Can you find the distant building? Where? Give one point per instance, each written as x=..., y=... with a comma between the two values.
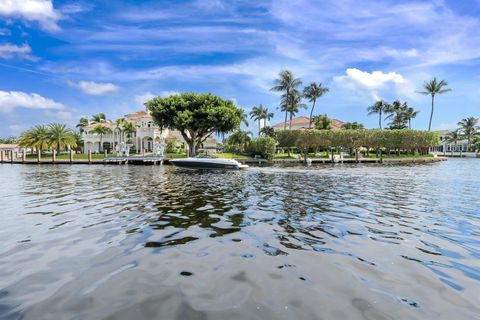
x=303, y=122
x=144, y=139
x=446, y=146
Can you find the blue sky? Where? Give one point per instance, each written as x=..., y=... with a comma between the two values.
x=60, y=60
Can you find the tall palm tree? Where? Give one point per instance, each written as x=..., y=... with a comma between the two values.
x=378, y=107
x=454, y=137
x=101, y=130
x=469, y=128
x=61, y=137
x=99, y=118
x=312, y=92
x=260, y=113
x=36, y=137
x=410, y=114
x=292, y=103
x=120, y=123
x=129, y=129
x=286, y=82
x=432, y=88
x=82, y=123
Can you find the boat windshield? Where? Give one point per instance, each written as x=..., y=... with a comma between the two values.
x=204, y=155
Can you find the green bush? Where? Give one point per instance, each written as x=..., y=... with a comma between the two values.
x=264, y=146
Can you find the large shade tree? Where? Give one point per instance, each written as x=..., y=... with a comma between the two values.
x=195, y=116
x=432, y=88
x=287, y=83
x=312, y=92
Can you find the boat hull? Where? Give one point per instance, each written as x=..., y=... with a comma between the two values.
x=207, y=164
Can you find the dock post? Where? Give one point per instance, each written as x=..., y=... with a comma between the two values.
x=71, y=156
x=89, y=156
x=11, y=156
x=39, y=155
x=24, y=156
x=1, y=155
x=54, y=156
x=105, y=154
x=381, y=156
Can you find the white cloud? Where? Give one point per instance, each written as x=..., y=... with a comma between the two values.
x=94, y=88
x=373, y=83
x=142, y=98
x=374, y=80
x=8, y=51
x=40, y=11
x=14, y=99
x=167, y=93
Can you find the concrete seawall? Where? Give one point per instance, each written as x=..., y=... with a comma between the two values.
x=246, y=161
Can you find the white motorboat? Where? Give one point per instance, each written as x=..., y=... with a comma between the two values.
x=209, y=163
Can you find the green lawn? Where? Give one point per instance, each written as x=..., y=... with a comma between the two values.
x=228, y=155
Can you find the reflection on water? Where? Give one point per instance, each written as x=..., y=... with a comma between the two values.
x=127, y=242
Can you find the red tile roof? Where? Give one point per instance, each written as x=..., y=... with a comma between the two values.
x=303, y=122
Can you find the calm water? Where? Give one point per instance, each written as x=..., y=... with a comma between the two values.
x=344, y=242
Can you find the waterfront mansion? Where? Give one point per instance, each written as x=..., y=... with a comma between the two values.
x=145, y=139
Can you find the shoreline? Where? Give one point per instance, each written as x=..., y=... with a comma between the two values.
x=244, y=161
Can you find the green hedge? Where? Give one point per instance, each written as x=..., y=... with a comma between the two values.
x=405, y=140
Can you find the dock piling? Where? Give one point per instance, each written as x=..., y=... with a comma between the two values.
x=54, y=156
x=71, y=156
x=89, y=157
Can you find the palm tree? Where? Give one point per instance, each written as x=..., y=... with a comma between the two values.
x=396, y=112
x=36, y=137
x=410, y=114
x=312, y=92
x=260, y=113
x=120, y=123
x=469, y=128
x=454, y=137
x=82, y=123
x=239, y=140
x=432, y=88
x=129, y=129
x=61, y=137
x=268, y=131
x=99, y=118
x=101, y=130
x=379, y=107
x=292, y=103
x=287, y=83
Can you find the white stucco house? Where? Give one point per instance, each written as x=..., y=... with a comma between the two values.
x=450, y=148
x=144, y=140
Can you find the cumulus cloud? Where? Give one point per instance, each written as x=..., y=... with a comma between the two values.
x=373, y=80
x=95, y=88
x=40, y=11
x=142, y=98
x=9, y=51
x=10, y=100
